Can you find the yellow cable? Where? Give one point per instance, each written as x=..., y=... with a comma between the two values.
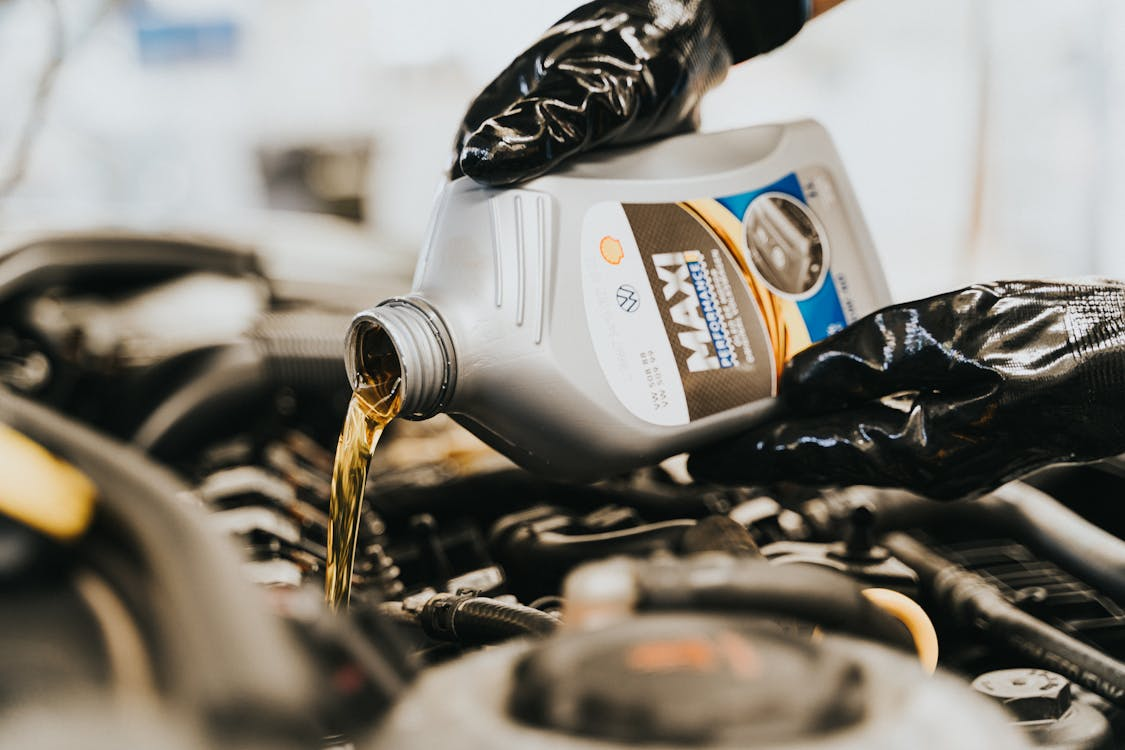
x=907, y=611
x=42, y=491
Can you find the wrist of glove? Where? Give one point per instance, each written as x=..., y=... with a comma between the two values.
x=612, y=73
x=950, y=395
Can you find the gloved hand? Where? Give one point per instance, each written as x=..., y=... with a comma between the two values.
x=989, y=382
x=612, y=73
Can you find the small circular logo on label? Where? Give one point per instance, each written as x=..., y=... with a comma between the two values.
x=611, y=250
x=627, y=298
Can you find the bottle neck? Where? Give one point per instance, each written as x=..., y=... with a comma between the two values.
x=422, y=344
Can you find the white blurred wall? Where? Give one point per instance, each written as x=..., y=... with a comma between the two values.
x=985, y=137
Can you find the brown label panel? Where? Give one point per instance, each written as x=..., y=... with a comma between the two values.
x=712, y=321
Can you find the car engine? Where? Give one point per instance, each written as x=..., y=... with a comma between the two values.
x=172, y=406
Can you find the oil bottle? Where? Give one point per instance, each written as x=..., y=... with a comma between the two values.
x=636, y=304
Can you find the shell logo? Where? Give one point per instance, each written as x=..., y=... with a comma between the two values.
x=611, y=250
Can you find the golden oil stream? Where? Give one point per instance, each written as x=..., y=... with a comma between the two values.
x=375, y=402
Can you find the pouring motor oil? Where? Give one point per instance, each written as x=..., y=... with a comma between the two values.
x=633, y=305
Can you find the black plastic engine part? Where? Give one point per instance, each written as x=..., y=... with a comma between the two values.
x=535, y=545
x=691, y=681
x=665, y=679
x=975, y=603
x=1042, y=589
x=719, y=534
x=509, y=490
x=858, y=555
x=361, y=660
x=724, y=584
x=1017, y=510
x=540, y=545
x=287, y=534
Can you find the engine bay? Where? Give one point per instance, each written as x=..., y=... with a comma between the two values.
x=201, y=399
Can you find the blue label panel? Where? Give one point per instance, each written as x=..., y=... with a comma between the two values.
x=823, y=313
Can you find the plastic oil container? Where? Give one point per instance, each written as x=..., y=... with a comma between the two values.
x=633, y=305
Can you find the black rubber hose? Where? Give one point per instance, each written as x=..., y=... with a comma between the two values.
x=303, y=348
x=114, y=256
x=1027, y=515
x=299, y=349
x=474, y=620
x=228, y=658
x=231, y=378
x=976, y=603
x=1087, y=550
x=804, y=592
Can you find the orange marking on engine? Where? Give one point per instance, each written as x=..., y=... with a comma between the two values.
x=689, y=654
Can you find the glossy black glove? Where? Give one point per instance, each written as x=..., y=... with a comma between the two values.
x=612, y=73
x=950, y=395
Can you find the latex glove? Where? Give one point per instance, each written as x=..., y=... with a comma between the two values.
x=991, y=382
x=612, y=73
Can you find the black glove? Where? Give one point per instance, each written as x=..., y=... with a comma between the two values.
x=950, y=395
x=612, y=73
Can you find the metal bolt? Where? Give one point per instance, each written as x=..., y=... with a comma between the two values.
x=1029, y=694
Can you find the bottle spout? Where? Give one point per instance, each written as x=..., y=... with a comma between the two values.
x=404, y=332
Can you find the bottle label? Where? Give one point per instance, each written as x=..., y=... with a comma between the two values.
x=695, y=306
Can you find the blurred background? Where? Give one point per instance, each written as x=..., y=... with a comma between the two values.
x=984, y=138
